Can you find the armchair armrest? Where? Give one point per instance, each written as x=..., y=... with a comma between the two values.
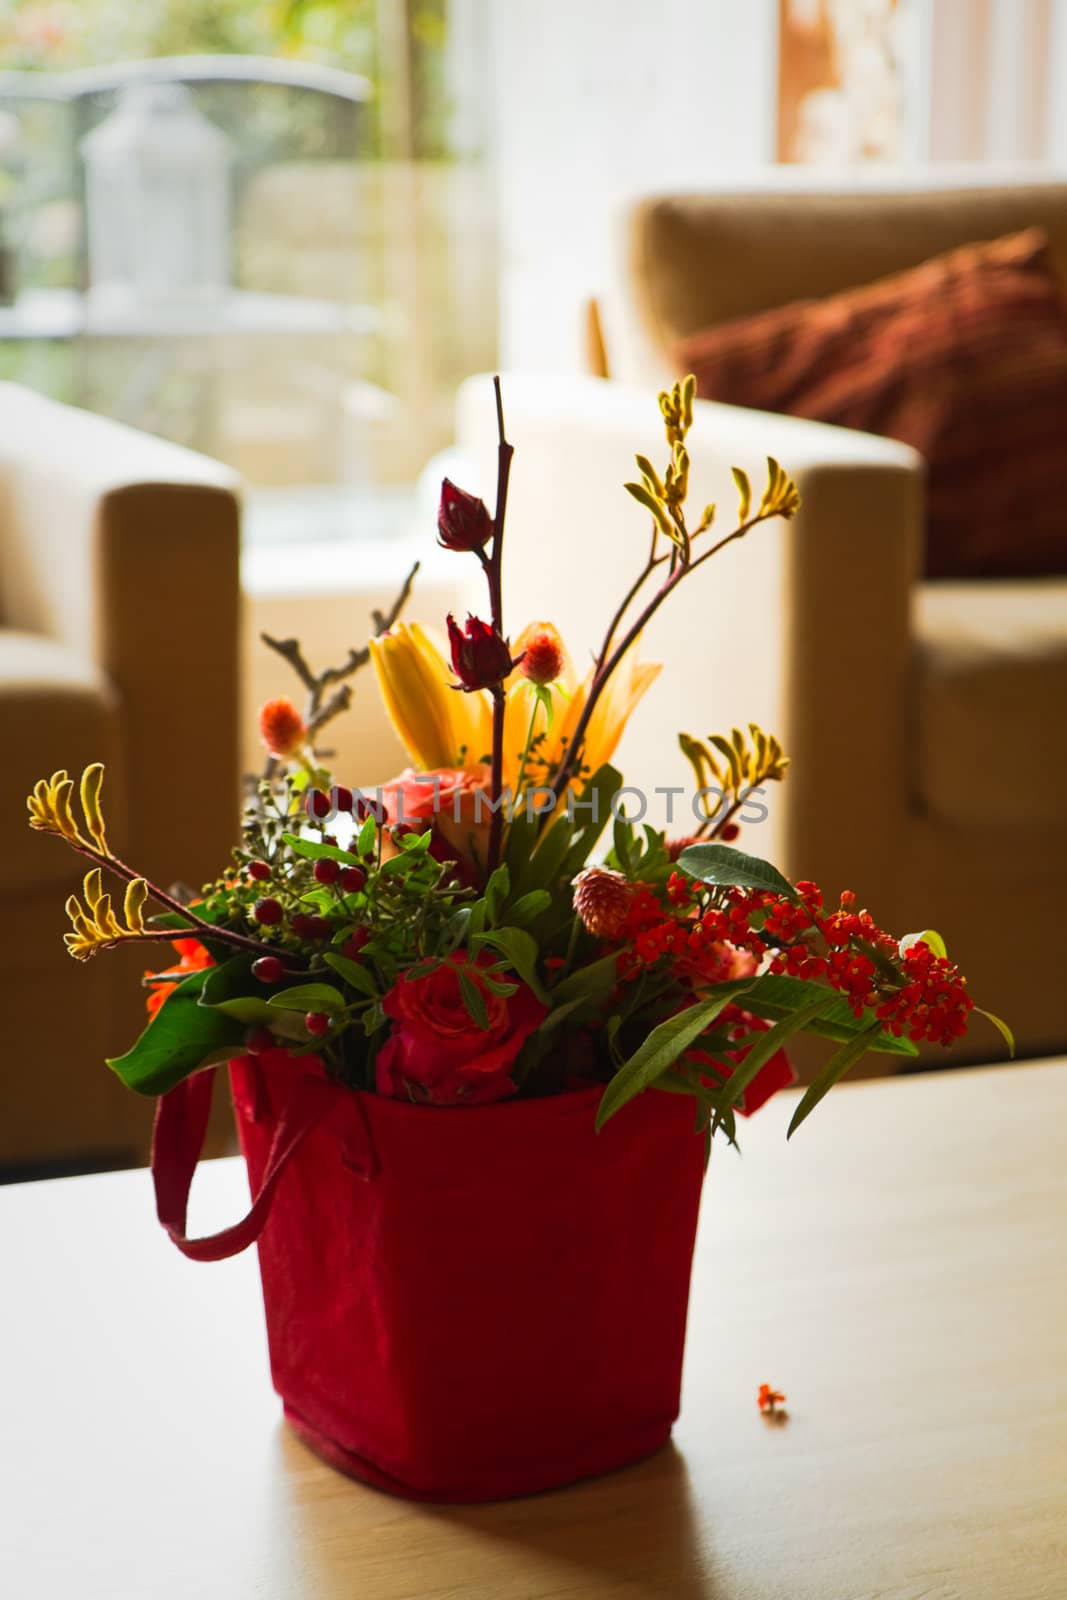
x=124, y=548
x=805, y=629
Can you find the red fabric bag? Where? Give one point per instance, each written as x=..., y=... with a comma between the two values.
x=462, y=1304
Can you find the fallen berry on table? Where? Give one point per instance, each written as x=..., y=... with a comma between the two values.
x=768, y=1399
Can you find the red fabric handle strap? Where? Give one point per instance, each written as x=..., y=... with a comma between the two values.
x=178, y=1139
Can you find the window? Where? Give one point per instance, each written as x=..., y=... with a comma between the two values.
x=264, y=232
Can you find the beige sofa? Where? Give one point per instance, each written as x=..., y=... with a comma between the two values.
x=924, y=719
x=118, y=642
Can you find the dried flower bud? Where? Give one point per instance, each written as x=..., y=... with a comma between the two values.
x=602, y=899
x=540, y=654
x=281, y=727
x=463, y=521
x=481, y=659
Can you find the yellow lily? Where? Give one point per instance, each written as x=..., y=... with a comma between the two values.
x=438, y=726
x=441, y=727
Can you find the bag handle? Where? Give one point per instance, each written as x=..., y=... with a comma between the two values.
x=178, y=1139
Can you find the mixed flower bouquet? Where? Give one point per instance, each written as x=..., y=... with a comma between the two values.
x=445, y=940
x=440, y=1010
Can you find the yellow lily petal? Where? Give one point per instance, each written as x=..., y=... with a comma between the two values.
x=438, y=726
x=627, y=685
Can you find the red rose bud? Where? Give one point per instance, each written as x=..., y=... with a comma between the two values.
x=463, y=521
x=541, y=659
x=602, y=899
x=281, y=727
x=481, y=659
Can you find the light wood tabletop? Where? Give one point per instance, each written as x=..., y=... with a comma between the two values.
x=900, y=1270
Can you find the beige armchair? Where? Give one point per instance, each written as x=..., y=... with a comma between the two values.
x=118, y=642
x=921, y=716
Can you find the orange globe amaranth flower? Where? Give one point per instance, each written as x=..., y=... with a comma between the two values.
x=194, y=958
x=540, y=648
x=602, y=900
x=282, y=729
x=768, y=1399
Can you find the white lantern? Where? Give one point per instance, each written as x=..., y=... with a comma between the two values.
x=157, y=180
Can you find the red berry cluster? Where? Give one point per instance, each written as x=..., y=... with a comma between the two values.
x=920, y=993
x=933, y=1004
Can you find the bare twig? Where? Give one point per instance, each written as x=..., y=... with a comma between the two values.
x=317, y=711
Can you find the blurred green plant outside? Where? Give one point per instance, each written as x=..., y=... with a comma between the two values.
x=53, y=35
x=367, y=207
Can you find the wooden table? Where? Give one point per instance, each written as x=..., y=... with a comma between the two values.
x=900, y=1271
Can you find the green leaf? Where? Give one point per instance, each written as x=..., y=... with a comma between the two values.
x=729, y=868
x=366, y=837
x=171, y=919
x=928, y=937
x=354, y=973
x=521, y=951
x=310, y=997
x=769, y=1043
x=662, y=1048
x=559, y=1014
x=321, y=900
x=773, y=996
x=178, y=1040
x=252, y=1012
x=473, y=999
x=521, y=838
x=527, y=908
x=835, y=1068
x=591, y=982
x=315, y=850
x=598, y=793
x=496, y=892
x=546, y=862
x=227, y=979
x=1001, y=1027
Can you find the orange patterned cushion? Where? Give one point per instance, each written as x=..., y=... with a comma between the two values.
x=965, y=358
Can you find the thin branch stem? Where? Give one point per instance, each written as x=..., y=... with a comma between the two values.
x=196, y=924
x=606, y=664
x=318, y=712
x=494, y=572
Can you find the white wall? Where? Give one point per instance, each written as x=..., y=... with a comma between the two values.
x=1057, y=98
x=595, y=101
